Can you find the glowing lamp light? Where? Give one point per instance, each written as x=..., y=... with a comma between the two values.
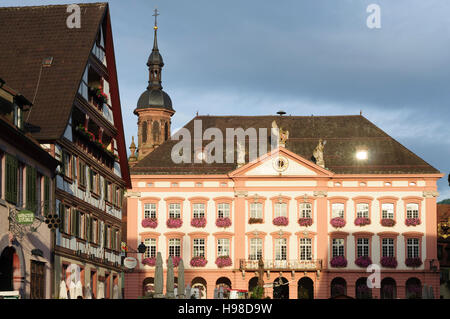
x=361, y=155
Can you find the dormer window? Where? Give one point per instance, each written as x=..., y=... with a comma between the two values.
x=18, y=116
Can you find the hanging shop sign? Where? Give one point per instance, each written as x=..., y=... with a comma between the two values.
x=130, y=262
x=25, y=217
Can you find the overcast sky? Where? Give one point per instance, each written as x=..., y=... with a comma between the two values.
x=255, y=57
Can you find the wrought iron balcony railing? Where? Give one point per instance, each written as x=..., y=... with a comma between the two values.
x=282, y=265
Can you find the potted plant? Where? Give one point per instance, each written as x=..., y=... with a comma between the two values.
x=338, y=262
x=412, y=221
x=337, y=222
x=413, y=262
x=199, y=261
x=255, y=220
x=223, y=222
x=280, y=221
x=149, y=223
x=223, y=261
x=362, y=221
x=363, y=261
x=388, y=262
x=174, y=222
x=387, y=222
x=149, y=261
x=198, y=222
x=305, y=221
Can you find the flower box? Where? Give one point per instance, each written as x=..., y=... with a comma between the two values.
x=149, y=223
x=363, y=261
x=388, y=262
x=388, y=222
x=362, y=221
x=223, y=261
x=255, y=221
x=223, y=222
x=174, y=222
x=198, y=222
x=337, y=222
x=149, y=261
x=305, y=221
x=281, y=221
x=338, y=262
x=175, y=261
x=198, y=262
x=413, y=262
x=412, y=221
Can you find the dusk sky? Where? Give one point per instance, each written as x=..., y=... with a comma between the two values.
x=305, y=57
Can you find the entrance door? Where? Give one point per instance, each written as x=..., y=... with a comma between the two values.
x=37, y=284
x=305, y=288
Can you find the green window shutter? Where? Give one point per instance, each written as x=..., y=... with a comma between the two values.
x=29, y=188
x=11, y=179
x=91, y=180
x=74, y=168
x=73, y=216
x=88, y=228
x=46, y=195
x=63, y=163
x=77, y=221
x=62, y=217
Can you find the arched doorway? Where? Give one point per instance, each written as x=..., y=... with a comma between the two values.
x=280, y=288
x=413, y=288
x=148, y=287
x=388, y=289
x=362, y=291
x=198, y=288
x=7, y=258
x=225, y=284
x=305, y=288
x=338, y=287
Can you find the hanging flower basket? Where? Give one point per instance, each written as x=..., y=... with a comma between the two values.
x=363, y=261
x=388, y=262
x=149, y=223
x=223, y=261
x=388, y=222
x=255, y=221
x=149, y=261
x=413, y=262
x=175, y=260
x=99, y=95
x=198, y=222
x=337, y=222
x=281, y=221
x=198, y=262
x=223, y=222
x=305, y=221
x=362, y=221
x=412, y=221
x=174, y=222
x=338, y=262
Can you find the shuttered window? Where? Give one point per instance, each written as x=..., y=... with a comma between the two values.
x=31, y=183
x=46, y=195
x=81, y=173
x=11, y=179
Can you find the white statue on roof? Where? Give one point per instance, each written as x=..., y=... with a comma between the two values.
x=318, y=153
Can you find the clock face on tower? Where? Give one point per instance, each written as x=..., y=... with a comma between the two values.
x=280, y=163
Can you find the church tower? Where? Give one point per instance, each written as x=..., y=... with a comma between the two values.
x=154, y=107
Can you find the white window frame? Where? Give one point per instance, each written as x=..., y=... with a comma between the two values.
x=198, y=210
x=150, y=251
x=362, y=210
x=387, y=211
x=387, y=247
x=338, y=247
x=280, y=249
x=337, y=210
x=413, y=247
x=305, y=245
x=412, y=210
x=305, y=210
x=280, y=210
x=223, y=210
x=256, y=210
x=149, y=210
x=256, y=248
x=198, y=247
x=174, y=247
x=174, y=210
x=223, y=247
x=362, y=247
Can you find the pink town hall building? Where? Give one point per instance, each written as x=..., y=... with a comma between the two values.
x=336, y=196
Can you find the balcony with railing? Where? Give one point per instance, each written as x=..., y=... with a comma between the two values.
x=281, y=265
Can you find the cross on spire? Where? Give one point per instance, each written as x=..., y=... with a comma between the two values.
x=156, y=14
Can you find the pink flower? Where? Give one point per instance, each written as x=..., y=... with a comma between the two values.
x=362, y=221
x=387, y=222
x=223, y=222
x=223, y=261
x=363, y=261
x=149, y=222
x=198, y=222
x=305, y=221
x=388, y=262
x=412, y=221
x=337, y=222
x=198, y=262
x=338, y=261
x=413, y=262
x=281, y=221
x=174, y=222
x=175, y=260
x=149, y=261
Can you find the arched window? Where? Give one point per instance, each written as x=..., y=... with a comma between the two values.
x=388, y=289
x=144, y=132
x=338, y=287
x=155, y=131
x=362, y=290
x=166, y=131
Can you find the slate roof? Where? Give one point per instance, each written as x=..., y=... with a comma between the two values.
x=30, y=34
x=344, y=135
